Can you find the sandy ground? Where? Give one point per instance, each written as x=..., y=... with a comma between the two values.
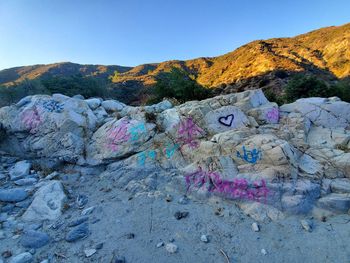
x=130, y=225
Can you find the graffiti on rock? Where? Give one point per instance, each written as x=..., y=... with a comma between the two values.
x=118, y=135
x=250, y=156
x=227, y=120
x=170, y=150
x=237, y=188
x=137, y=130
x=273, y=115
x=188, y=132
x=53, y=106
x=151, y=154
x=31, y=119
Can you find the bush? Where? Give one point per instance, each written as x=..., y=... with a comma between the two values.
x=342, y=90
x=179, y=85
x=77, y=84
x=302, y=86
x=12, y=94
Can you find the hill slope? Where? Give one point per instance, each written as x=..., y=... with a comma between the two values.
x=324, y=52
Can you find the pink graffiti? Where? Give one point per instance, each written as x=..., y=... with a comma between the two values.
x=238, y=188
x=31, y=119
x=273, y=115
x=117, y=135
x=187, y=133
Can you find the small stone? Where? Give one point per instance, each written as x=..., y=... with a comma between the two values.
x=183, y=200
x=160, y=244
x=179, y=215
x=306, y=224
x=79, y=232
x=263, y=251
x=78, y=221
x=26, y=181
x=89, y=252
x=255, y=227
x=25, y=257
x=171, y=248
x=168, y=198
x=118, y=259
x=2, y=235
x=6, y=254
x=34, y=239
x=81, y=201
x=88, y=211
x=19, y=170
x=13, y=195
x=204, y=239
x=99, y=246
x=130, y=236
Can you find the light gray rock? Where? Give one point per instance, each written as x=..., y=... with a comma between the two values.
x=171, y=248
x=20, y=170
x=93, y=103
x=340, y=185
x=339, y=203
x=47, y=204
x=225, y=118
x=255, y=227
x=25, y=257
x=112, y=105
x=13, y=195
x=307, y=225
x=34, y=239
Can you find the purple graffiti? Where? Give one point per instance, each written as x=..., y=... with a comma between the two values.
x=188, y=132
x=31, y=119
x=273, y=115
x=238, y=188
x=118, y=135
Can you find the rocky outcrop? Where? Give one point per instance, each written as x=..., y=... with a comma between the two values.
x=271, y=160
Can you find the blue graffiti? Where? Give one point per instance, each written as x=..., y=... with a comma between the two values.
x=169, y=151
x=152, y=154
x=250, y=156
x=136, y=130
x=53, y=106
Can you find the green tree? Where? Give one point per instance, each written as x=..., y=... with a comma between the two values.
x=179, y=85
x=301, y=86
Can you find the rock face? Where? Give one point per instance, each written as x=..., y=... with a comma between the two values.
x=272, y=160
x=47, y=204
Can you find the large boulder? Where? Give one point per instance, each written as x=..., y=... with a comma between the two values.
x=47, y=204
x=45, y=126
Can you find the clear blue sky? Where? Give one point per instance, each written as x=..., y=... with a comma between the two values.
x=132, y=32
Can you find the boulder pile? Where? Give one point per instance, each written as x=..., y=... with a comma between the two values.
x=271, y=160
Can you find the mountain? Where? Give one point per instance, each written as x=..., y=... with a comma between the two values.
x=258, y=64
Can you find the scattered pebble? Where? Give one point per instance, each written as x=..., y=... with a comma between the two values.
x=204, y=239
x=78, y=232
x=255, y=227
x=306, y=224
x=183, y=200
x=179, y=215
x=130, y=236
x=88, y=211
x=34, y=239
x=6, y=254
x=78, y=221
x=171, y=248
x=264, y=252
x=160, y=244
x=118, y=260
x=25, y=257
x=89, y=252
x=99, y=246
x=168, y=198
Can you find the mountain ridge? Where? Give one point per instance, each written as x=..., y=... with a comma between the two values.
x=323, y=52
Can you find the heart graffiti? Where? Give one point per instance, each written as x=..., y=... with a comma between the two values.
x=227, y=121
